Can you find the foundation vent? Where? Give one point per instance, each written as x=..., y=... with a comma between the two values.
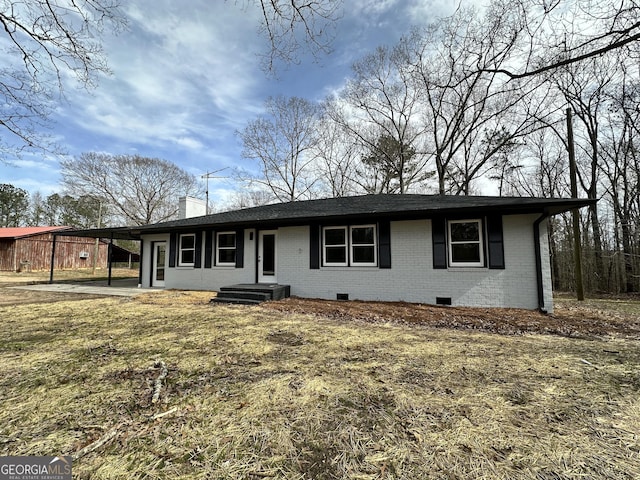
x=443, y=300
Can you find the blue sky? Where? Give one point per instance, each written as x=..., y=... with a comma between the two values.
x=186, y=76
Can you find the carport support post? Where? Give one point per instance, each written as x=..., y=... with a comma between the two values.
x=140, y=264
x=53, y=257
x=109, y=252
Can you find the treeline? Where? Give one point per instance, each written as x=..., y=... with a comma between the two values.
x=103, y=190
x=477, y=103
x=19, y=209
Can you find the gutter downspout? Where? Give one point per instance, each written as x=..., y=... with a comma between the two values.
x=536, y=243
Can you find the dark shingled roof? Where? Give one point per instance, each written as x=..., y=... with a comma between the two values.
x=369, y=207
x=358, y=208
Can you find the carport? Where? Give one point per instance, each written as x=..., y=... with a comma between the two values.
x=115, y=233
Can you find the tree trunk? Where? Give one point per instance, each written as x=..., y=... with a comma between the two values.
x=627, y=252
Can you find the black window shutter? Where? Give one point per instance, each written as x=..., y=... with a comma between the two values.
x=173, y=240
x=314, y=247
x=197, y=257
x=240, y=248
x=439, y=237
x=384, y=237
x=496, y=242
x=208, y=248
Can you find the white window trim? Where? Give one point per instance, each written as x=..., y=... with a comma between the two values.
x=374, y=245
x=218, y=248
x=480, y=242
x=345, y=246
x=349, y=246
x=181, y=249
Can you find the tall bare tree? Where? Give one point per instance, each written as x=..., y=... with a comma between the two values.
x=585, y=88
x=465, y=102
x=139, y=190
x=620, y=152
x=44, y=41
x=282, y=141
x=379, y=101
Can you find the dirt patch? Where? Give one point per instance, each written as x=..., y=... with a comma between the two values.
x=176, y=297
x=569, y=319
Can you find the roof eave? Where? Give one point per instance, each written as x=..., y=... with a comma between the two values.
x=551, y=208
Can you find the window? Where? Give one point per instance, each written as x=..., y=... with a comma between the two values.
x=363, y=245
x=187, y=250
x=335, y=246
x=465, y=243
x=344, y=246
x=226, y=248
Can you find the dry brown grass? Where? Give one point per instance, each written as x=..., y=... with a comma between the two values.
x=254, y=393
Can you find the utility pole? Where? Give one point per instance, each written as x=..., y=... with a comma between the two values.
x=577, y=244
x=207, y=176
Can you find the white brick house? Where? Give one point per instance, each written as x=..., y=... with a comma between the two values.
x=451, y=250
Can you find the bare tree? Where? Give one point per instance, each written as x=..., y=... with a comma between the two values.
x=620, y=150
x=465, y=103
x=139, y=190
x=247, y=198
x=585, y=88
x=293, y=25
x=45, y=41
x=379, y=102
x=283, y=141
x=337, y=157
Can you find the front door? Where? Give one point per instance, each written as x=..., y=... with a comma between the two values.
x=267, y=256
x=159, y=264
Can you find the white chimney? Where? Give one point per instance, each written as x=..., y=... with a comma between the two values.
x=191, y=207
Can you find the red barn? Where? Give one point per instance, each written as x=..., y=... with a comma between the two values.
x=29, y=248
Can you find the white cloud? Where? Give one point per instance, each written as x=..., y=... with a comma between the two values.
x=179, y=75
x=423, y=12
x=33, y=184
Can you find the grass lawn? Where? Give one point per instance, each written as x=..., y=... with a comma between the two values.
x=165, y=385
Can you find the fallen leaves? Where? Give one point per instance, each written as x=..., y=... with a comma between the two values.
x=567, y=320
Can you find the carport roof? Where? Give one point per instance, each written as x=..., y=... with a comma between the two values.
x=22, y=232
x=117, y=233
x=360, y=208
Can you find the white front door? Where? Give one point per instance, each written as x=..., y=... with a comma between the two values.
x=267, y=256
x=159, y=264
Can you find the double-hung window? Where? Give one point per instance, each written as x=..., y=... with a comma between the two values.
x=466, y=243
x=335, y=246
x=187, y=250
x=363, y=245
x=349, y=246
x=226, y=248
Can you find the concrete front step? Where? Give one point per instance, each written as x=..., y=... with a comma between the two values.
x=275, y=291
x=248, y=293
x=245, y=295
x=236, y=301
